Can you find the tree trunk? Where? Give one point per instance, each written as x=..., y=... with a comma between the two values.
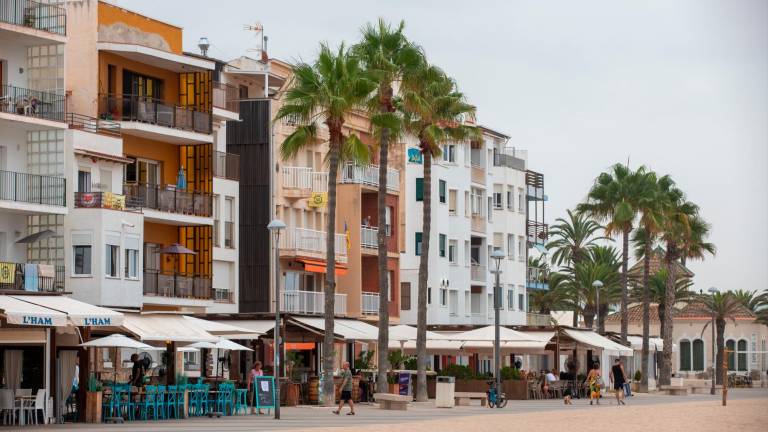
x=575, y=317
x=330, y=274
x=646, y=313
x=589, y=319
x=383, y=341
x=720, y=326
x=421, y=328
x=665, y=378
x=624, y=289
x=601, y=320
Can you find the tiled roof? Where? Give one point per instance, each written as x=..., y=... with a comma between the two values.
x=656, y=264
x=698, y=310
x=635, y=314
x=695, y=310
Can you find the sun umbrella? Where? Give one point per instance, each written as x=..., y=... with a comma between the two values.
x=177, y=249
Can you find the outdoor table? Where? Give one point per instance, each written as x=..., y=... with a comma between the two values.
x=22, y=403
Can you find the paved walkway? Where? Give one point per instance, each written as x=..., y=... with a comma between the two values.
x=371, y=418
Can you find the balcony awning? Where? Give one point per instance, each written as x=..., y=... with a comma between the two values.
x=79, y=313
x=23, y=313
x=595, y=340
x=165, y=328
x=348, y=329
x=315, y=266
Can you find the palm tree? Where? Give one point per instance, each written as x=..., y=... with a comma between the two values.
x=722, y=306
x=386, y=53
x=571, y=241
x=327, y=91
x=615, y=199
x=556, y=297
x=753, y=300
x=432, y=111
x=658, y=292
x=601, y=264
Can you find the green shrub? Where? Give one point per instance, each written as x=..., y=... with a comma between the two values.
x=638, y=376
x=509, y=373
x=410, y=363
x=364, y=361
x=458, y=371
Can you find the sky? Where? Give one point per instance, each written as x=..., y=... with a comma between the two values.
x=678, y=86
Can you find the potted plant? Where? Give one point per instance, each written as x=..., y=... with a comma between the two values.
x=93, y=400
x=394, y=386
x=636, y=381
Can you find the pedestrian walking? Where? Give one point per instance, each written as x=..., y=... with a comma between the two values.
x=618, y=378
x=346, y=390
x=255, y=372
x=595, y=381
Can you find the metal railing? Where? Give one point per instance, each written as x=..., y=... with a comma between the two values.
x=509, y=161
x=32, y=277
x=304, y=178
x=369, y=237
x=478, y=273
x=226, y=97
x=369, y=303
x=170, y=284
x=153, y=111
x=229, y=234
x=310, y=302
x=92, y=124
x=106, y=200
x=536, y=278
x=223, y=295
x=309, y=242
x=32, y=188
x=169, y=200
x=226, y=165
x=537, y=232
x=31, y=103
x=369, y=175
x=41, y=16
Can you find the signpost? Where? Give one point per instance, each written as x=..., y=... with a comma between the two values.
x=264, y=386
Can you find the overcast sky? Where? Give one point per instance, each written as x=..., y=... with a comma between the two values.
x=680, y=86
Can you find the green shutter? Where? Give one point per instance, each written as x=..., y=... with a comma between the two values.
x=731, y=346
x=442, y=245
x=419, y=189
x=685, y=355
x=418, y=243
x=442, y=191
x=698, y=355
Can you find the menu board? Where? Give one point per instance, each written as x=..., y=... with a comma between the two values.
x=265, y=391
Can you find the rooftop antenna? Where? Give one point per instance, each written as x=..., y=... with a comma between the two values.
x=261, y=46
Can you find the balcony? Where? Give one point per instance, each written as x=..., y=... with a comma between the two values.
x=31, y=103
x=226, y=97
x=32, y=189
x=537, y=232
x=534, y=319
x=93, y=125
x=168, y=284
x=32, y=277
x=534, y=186
x=46, y=17
x=309, y=243
x=536, y=279
x=478, y=273
x=226, y=165
x=168, y=199
x=300, y=182
x=104, y=200
x=144, y=112
x=223, y=296
x=369, y=303
x=369, y=237
x=368, y=175
x=310, y=302
x=509, y=161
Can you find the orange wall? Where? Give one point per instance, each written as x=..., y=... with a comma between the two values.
x=370, y=280
x=170, y=78
x=370, y=207
x=162, y=235
x=110, y=14
x=168, y=154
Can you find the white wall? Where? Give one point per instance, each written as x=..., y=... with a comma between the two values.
x=14, y=57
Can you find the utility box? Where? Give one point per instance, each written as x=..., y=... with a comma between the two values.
x=445, y=389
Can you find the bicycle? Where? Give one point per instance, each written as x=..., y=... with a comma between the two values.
x=495, y=400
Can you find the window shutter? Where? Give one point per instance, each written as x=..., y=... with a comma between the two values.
x=419, y=189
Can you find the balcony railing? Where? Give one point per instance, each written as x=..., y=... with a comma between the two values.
x=153, y=111
x=226, y=165
x=534, y=183
x=310, y=302
x=31, y=103
x=229, y=235
x=226, y=97
x=369, y=237
x=32, y=277
x=534, y=319
x=32, y=188
x=370, y=303
x=41, y=16
x=536, y=279
x=509, y=161
x=169, y=284
x=305, y=179
x=537, y=232
x=169, y=200
x=93, y=125
x=369, y=175
x=105, y=200
x=223, y=296
x=311, y=243
x=478, y=273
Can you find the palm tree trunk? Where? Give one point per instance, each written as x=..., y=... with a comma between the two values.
x=330, y=274
x=646, y=315
x=575, y=317
x=421, y=321
x=601, y=319
x=669, y=300
x=383, y=341
x=624, y=289
x=720, y=326
x=589, y=319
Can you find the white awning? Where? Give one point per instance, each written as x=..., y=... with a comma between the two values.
x=165, y=328
x=595, y=340
x=254, y=326
x=404, y=332
x=487, y=334
x=80, y=313
x=349, y=329
x=28, y=314
x=654, y=343
x=433, y=346
x=226, y=330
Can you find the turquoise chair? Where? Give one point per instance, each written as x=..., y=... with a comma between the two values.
x=241, y=401
x=205, y=391
x=149, y=404
x=160, y=402
x=180, y=401
x=170, y=402
x=195, y=390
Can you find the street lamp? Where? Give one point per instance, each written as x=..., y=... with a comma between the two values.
x=597, y=284
x=497, y=255
x=712, y=291
x=275, y=227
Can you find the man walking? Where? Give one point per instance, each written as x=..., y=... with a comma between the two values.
x=346, y=390
x=618, y=378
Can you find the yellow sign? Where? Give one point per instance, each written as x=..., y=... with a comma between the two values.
x=318, y=199
x=7, y=272
x=113, y=201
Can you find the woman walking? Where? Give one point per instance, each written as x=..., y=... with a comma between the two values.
x=595, y=381
x=255, y=372
x=618, y=378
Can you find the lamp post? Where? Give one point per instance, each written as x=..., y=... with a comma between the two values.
x=597, y=284
x=275, y=227
x=712, y=291
x=497, y=255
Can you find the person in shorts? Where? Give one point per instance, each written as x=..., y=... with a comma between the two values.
x=618, y=378
x=346, y=390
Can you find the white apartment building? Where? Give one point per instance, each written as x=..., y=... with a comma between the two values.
x=479, y=203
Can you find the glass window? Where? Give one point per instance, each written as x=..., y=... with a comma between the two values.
x=510, y=246
x=698, y=355
x=511, y=298
x=82, y=255
x=442, y=191
x=443, y=297
x=83, y=181
x=405, y=296
x=510, y=200
x=731, y=346
x=418, y=243
x=132, y=263
x=449, y=153
x=497, y=204
x=419, y=189
x=442, y=238
x=453, y=246
x=685, y=355
x=521, y=301
x=429, y=295
x=741, y=356
x=111, y=260
x=388, y=221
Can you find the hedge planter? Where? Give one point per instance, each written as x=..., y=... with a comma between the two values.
x=515, y=389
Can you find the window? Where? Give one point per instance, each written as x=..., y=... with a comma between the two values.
x=111, y=260
x=132, y=263
x=466, y=203
x=520, y=201
x=449, y=153
x=441, y=191
x=83, y=181
x=429, y=295
x=442, y=238
x=741, y=355
x=510, y=246
x=520, y=248
x=142, y=171
x=405, y=296
x=192, y=360
x=453, y=246
x=216, y=222
x=497, y=204
x=466, y=253
x=510, y=201
x=419, y=189
x=82, y=254
x=452, y=197
x=685, y=355
x=698, y=355
x=443, y=297
x=521, y=301
x=731, y=346
x=229, y=222
x=418, y=244
x=511, y=298
x=388, y=221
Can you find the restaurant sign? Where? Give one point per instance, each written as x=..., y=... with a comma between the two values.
x=97, y=321
x=36, y=320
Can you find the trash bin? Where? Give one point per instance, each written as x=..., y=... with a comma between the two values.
x=444, y=391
